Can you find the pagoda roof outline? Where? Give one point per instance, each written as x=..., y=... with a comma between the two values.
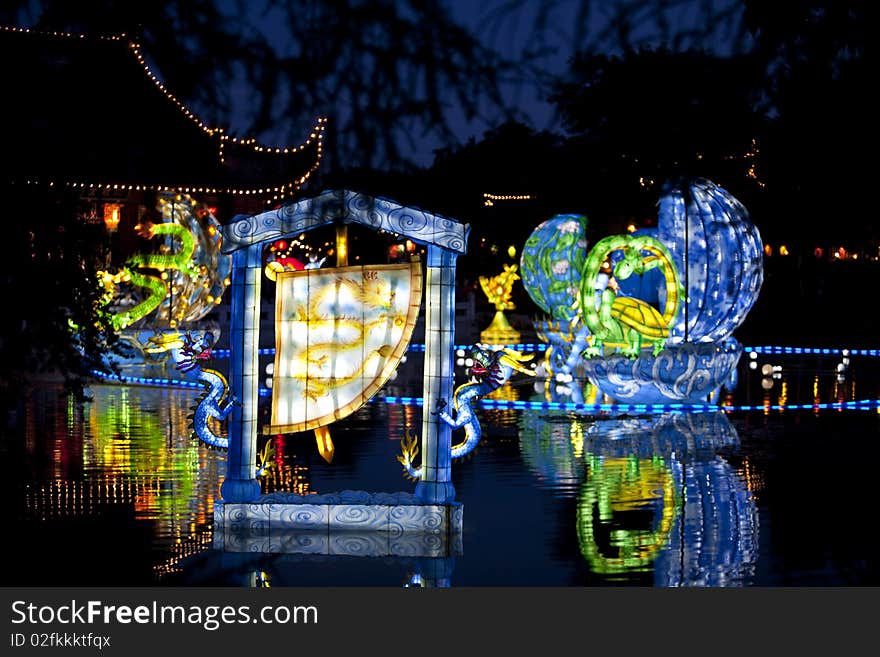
x=86, y=111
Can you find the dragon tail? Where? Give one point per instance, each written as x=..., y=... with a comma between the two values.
x=409, y=449
x=211, y=439
x=472, y=436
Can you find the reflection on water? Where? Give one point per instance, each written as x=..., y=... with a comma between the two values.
x=658, y=496
x=127, y=454
x=652, y=493
x=626, y=512
x=121, y=490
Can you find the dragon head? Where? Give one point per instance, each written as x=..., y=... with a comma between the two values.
x=483, y=361
x=192, y=353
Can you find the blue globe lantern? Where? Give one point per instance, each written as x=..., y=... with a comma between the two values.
x=719, y=256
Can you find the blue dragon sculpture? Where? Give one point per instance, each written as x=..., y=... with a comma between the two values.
x=215, y=402
x=490, y=371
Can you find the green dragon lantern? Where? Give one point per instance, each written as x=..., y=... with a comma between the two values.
x=625, y=323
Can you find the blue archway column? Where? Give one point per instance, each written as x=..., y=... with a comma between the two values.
x=240, y=485
x=435, y=486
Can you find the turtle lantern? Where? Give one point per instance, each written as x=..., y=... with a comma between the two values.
x=711, y=257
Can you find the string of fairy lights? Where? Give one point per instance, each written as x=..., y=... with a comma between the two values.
x=490, y=199
x=274, y=193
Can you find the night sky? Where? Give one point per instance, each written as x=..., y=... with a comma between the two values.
x=511, y=28
x=553, y=28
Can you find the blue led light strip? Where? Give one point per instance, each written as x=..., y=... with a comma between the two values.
x=148, y=381
x=224, y=353
x=813, y=351
x=861, y=404
x=538, y=347
x=270, y=351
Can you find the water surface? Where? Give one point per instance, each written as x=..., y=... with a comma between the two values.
x=118, y=493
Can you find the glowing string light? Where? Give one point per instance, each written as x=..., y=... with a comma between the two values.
x=278, y=192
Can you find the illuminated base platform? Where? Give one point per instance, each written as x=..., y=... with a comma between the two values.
x=349, y=522
x=685, y=373
x=499, y=331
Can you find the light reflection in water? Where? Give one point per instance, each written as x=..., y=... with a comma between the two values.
x=129, y=447
x=626, y=511
x=551, y=446
x=677, y=492
x=286, y=474
x=652, y=494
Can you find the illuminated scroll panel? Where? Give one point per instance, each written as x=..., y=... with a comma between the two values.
x=339, y=335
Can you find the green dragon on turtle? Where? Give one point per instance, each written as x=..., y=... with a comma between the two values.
x=626, y=323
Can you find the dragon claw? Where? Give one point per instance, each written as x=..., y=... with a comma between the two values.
x=631, y=352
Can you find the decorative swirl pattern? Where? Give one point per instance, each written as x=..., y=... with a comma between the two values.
x=348, y=543
x=684, y=373
x=358, y=545
x=425, y=517
x=406, y=220
x=306, y=515
x=309, y=542
x=398, y=518
x=359, y=516
x=420, y=545
x=237, y=515
x=377, y=213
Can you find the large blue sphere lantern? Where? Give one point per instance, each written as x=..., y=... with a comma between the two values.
x=719, y=256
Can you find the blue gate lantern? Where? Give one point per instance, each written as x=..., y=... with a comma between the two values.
x=431, y=514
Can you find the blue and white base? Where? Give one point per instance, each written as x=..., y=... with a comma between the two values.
x=687, y=373
x=348, y=522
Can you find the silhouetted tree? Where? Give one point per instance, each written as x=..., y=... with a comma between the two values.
x=653, y=114
x=388, y=73
x=821, y=134
x=53, y=321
